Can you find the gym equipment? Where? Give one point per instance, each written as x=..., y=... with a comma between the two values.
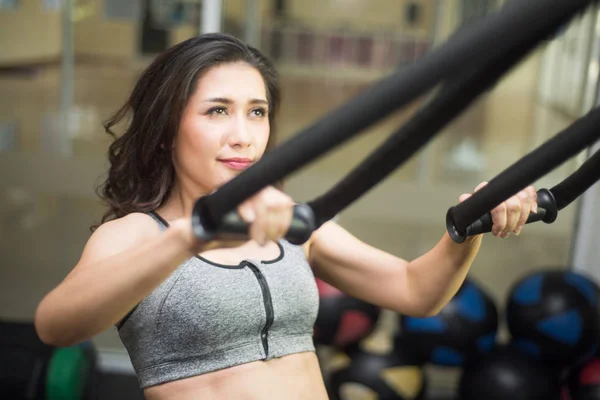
x=506, y=373
x=378, y=375
x=466, y=327
x=553, y=315
x=521, y=29
x=32, y=370
x=583, y=383
x=342, y=320
x=70, y=372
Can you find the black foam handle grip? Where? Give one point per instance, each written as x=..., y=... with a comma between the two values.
x=547, y=212
x=233, y=227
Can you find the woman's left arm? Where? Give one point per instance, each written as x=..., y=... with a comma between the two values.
x=421, y=287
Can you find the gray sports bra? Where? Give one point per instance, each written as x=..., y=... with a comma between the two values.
x=206, y=316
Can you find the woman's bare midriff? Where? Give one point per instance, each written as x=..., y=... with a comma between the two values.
x=293, y=377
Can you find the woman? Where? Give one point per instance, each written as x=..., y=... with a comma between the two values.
x=225, y=320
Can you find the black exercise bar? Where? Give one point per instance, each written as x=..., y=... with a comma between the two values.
x=550, y=202
x=516, y=22
x=472, y=216
x=578, y=182
x=453, y=99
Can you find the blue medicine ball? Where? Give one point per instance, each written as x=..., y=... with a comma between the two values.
x=466, y=327
x=553, y=316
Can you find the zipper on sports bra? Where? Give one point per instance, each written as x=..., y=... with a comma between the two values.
x=268, y=306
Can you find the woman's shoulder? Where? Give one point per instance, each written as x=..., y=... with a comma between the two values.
x=136, y=223
x=119, y=234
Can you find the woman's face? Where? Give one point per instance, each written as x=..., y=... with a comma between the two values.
x=224, y=128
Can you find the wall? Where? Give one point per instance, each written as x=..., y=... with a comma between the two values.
x=29, y=34
x=100, y=36
x=96, y=35
x=361, y=15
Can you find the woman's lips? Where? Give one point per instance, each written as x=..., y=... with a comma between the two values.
x=237, y=163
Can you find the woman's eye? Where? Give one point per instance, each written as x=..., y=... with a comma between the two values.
x=259, y=112
x=217, y=111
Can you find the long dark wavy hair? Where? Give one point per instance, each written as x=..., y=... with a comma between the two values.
x=141, y=173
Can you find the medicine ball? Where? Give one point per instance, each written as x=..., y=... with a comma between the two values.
x=374, y=374
x=553, y=316
x=466, y=327
x=506, y=373
x=342, y=320
x=584, y=382
x=72, y=373
x=30, y=369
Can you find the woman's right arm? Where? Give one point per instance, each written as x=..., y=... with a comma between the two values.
x=123, y=261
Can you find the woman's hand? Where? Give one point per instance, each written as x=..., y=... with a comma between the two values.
x=269, y=213
x=510, y=216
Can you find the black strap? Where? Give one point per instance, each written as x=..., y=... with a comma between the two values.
x=577, y=183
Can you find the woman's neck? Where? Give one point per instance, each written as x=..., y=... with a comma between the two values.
x=181, y=201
